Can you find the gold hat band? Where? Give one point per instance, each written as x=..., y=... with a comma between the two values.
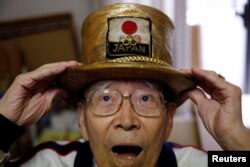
x=138, y=59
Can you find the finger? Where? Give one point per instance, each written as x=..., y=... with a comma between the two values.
x=209, y=81
x=187, y=71
x=50, y=70
x=43, y=76
x=198, y=73
x=63, y=63
x=211, y=78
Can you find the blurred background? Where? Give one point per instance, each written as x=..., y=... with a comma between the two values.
x=211, y=34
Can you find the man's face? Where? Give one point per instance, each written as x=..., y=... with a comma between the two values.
x=125, y=138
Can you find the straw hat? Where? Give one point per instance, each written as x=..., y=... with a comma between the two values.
x=126, y=41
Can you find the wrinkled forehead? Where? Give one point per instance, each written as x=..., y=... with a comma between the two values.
x=140, y=84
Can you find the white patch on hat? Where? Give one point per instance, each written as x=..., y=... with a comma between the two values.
x=128, y=36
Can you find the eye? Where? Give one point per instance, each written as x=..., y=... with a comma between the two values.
x=145, y=98
x=106, y=98
x=101, y=98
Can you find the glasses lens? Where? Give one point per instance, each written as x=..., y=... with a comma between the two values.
x=147, y=103
x=104, y=102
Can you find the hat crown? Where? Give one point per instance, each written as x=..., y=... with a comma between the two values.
x=126, y=41
x=127, y=33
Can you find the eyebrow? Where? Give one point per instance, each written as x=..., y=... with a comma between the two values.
x=107, y=83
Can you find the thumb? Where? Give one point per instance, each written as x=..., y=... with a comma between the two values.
x=38, y=106
x=51, y=94
x=197, y=96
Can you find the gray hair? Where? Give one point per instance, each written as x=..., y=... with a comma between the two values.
x=106, y=83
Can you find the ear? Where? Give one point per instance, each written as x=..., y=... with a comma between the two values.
x=171, y=108
x=82, y=120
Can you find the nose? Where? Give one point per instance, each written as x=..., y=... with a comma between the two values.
x=126, y=118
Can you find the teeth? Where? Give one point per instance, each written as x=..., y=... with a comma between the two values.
x=129, y=157
x=125, y=156
x=131, y=151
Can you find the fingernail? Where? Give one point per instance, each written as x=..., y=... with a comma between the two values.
x=195, y=68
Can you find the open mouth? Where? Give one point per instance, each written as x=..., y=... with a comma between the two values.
x=126, y=151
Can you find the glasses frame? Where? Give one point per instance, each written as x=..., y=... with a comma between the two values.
x=125, y=96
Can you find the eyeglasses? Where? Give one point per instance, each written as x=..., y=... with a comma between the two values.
x=106, y=102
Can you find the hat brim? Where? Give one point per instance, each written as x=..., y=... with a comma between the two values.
x=74, y=79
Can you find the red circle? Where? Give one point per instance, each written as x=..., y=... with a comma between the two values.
x=129, y=27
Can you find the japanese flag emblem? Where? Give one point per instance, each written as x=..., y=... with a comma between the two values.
x=128, y=36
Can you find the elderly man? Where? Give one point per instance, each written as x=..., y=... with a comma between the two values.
x=126, y=93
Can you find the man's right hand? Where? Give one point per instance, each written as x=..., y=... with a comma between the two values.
x=31, y=94
x=219, y=107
